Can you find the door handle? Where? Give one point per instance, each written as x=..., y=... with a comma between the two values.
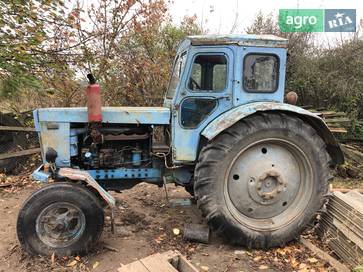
x=227, y=97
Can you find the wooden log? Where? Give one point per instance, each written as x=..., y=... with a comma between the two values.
x=325, y=256
x=20, y=153
x=20, y=129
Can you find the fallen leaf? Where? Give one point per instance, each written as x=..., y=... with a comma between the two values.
x=72, y=263
x=77, y=258
x=239, y=252
x=312, y=260
x=294, y=263
x=257, y=258
x=52, y=258
x=95, y=265
x=204, y=268
x=281, y=251
x=263, y=267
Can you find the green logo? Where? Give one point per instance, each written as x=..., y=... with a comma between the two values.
x=301, y=20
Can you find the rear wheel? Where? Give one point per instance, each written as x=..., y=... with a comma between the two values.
x=261, y=181
x=61, y=218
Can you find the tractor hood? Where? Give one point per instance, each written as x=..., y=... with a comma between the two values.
x=119, y=115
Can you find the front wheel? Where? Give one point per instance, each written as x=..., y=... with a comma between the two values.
x=260, y=182
x=62, y=218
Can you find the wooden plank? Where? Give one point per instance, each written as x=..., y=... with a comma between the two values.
x=156, y=263
x=133, y=267
x=331, y=114
x=325, y=256
x=338, y=130
x=341, y=121
x=23, y=129
x=20, y=153
x=185, y=266
x=170, y=261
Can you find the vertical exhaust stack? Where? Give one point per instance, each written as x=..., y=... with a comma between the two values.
x=94, y=109
x=94, y=101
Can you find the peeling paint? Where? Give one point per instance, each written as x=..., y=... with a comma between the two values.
x=241, y=40
x=116, y=115
x=229, y=118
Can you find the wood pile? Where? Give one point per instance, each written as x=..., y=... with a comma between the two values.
x=341, y=226
x=353, y=167
x=338, y=122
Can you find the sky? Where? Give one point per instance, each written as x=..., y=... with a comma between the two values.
x=220, y=16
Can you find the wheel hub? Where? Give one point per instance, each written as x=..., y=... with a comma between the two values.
x=268, y=186
x=60, y=224
x=265, y=179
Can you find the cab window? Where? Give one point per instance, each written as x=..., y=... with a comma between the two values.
x=177, y=72
x=195, y=110
x=260, y=73
x=209, y=73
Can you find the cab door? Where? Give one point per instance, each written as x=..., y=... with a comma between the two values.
x=260, y=73
x=205, y=92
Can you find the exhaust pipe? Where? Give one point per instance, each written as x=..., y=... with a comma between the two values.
x=94, y=109
x=94, y=101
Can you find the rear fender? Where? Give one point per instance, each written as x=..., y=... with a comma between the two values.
x=229, y=118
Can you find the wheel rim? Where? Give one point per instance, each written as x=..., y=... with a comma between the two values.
x=60, y=224
x=268, y=184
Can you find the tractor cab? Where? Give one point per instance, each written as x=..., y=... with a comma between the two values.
x=213, y=74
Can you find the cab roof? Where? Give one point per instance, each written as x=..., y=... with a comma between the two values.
x=242, y=40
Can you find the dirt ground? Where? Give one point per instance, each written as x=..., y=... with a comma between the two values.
x=144, y=225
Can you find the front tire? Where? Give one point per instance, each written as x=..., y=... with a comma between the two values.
x=62, y=218
x=261, y=181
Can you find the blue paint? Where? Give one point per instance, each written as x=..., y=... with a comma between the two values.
x=185, y=142
x=113, y=115
x=269, y=41
x=227, y=119
x=151, y=174
x=40, y=175
x=136, y=157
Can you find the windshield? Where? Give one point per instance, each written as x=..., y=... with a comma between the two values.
x=175, y=76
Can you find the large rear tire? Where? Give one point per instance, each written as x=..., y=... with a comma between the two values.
x=61, y=218
x=261, y=181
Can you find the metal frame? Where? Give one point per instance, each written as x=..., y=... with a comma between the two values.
x=150, y=174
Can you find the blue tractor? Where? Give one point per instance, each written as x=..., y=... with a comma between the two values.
x=257, y=167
